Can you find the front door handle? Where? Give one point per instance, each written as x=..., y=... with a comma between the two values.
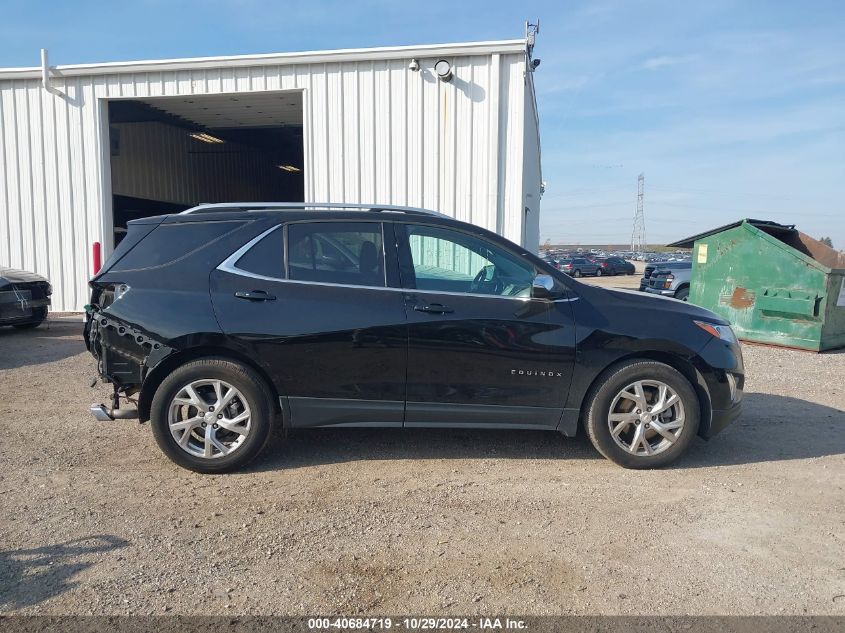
x=255, y=295
x=433, y=308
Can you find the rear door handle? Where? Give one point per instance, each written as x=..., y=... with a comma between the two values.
x=433, y=308
x=255, y=295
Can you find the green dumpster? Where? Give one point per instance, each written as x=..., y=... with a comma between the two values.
x=773, y=283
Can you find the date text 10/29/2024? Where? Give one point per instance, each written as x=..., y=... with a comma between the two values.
x=416, y=624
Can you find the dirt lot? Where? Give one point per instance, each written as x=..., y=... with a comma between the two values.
x=96, y=520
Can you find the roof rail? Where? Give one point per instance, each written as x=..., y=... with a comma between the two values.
x=314, y=206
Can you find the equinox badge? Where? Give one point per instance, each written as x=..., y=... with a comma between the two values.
x=536, y=372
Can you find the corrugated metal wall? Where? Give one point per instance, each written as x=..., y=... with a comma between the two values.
x=373, y=132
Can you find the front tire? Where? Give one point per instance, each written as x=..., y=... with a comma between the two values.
x=682, y=294
x=212, y=415
x=576, y=273
x=642, y=414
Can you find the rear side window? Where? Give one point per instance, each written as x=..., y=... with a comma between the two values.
x=346, y=253
x=267, y=257
x=170, y=242
x=135, y=233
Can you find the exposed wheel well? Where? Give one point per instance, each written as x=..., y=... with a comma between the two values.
x=676, y=362
x=165, y=367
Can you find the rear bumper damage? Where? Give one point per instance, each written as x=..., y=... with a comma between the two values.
x=124, y=355
x=123, y=352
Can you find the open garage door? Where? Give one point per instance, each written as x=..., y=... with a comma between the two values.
x=172, y=153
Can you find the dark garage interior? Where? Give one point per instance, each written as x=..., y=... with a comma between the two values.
x=171, y=153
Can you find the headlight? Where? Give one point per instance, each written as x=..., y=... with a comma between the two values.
x=723, y=332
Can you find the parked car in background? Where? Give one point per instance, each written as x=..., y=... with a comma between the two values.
x=24, y=298
x=551, y=261
x=648, y=271
x=219, y=322
x=614, y=266
x=671, y=280
x=578, y=266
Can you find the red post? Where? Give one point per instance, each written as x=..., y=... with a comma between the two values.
x=98, y=257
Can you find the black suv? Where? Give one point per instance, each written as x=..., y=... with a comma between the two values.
x=221, y=321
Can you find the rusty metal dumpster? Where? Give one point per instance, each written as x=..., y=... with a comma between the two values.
x=774, y=283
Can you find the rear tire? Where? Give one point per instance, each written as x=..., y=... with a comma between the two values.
x=598, y=272
x=655, y=436
x=198, y=436
x=576, y=273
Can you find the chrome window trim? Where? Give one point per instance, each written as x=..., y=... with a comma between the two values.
x=237, y=271
x=228, y=264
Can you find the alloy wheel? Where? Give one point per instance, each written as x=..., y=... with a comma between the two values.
x=646, y=417
x=209, y=418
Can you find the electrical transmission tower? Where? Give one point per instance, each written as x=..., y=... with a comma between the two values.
x=638, y=242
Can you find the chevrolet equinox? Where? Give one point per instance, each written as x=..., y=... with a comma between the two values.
x=227, y=319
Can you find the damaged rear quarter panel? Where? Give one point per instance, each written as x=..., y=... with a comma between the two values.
x=166, y=307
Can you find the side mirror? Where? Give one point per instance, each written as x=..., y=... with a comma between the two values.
x=543, y=287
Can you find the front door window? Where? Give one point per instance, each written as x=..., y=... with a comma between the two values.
x=450, y=261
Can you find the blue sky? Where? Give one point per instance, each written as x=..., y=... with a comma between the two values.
x=731, y=108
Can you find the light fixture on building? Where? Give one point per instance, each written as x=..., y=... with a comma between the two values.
x=414, y=65
x=288, y=168
x=206, y=138
x=443, y=70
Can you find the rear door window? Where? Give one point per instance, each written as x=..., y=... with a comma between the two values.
x=345, y=253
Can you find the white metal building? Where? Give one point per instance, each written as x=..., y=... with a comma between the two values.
x=87, y=147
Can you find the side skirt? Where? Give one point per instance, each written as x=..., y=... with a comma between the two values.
x=313, y=412
x=303, y=412
x=489, y=416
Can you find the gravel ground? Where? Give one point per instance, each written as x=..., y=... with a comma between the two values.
x=96, y=520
